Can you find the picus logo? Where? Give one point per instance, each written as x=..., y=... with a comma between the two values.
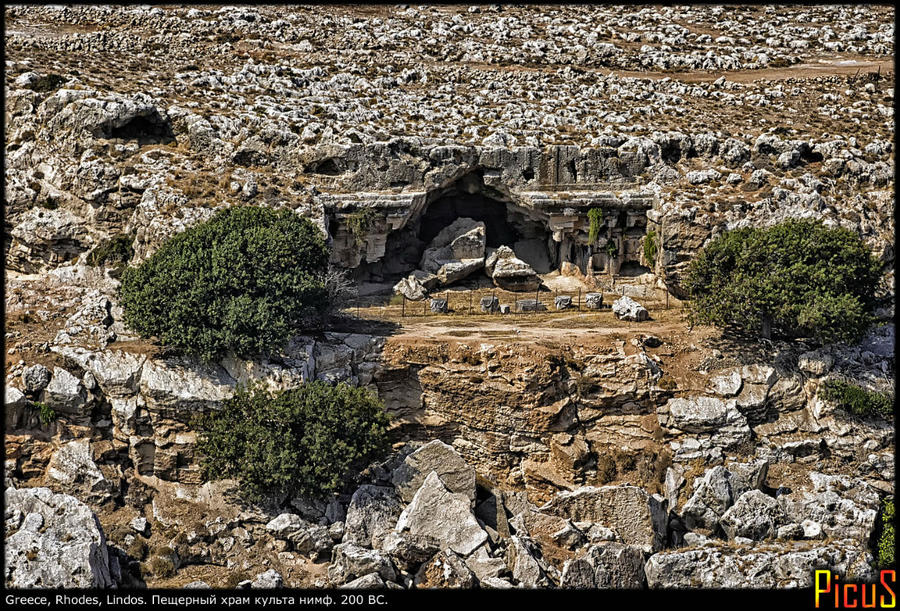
x=832, y=593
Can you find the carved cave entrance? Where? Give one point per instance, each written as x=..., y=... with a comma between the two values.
x=505, y=224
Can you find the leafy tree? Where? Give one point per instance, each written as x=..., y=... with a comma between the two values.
x=246, y=280
x=303, y=441
x=795, y=279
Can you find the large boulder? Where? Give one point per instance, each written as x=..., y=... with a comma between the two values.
x=748, y=566
x=307, y=538
x=456, y=252
x=16, y=406
x=454, y=271
x=54, y=541
x=454, y=472
x=610, y=565
x=525, y=567
x=411, y=288
x=511, y=273
x=446, y=516
x=626, y=308
x=638, y=518
x=73, y=467
x=371, y=515
x=64, y=392
x=445, y=570
x=350, y=561
x=755, y=515
x=35, y=378
x=408, y=551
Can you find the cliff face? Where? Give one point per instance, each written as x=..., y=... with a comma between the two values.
x=559, y=430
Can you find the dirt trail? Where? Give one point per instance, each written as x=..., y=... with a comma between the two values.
x=583, y=329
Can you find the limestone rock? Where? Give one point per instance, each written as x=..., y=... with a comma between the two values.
x=755, y=515
x=64, y=393
x=454, y=472
x=524, y=566
x=411, y=288
x=513, y=274
x=67, y=549
x=16, y=407
x=436, y=512
x=268, y=580
x=35, y=378
x=73, y=467
x=456, y=252
x=635, y=516
x=445, y=570
x=727, y=384
x=372, y=581
x=409, y=551
x=626, y=308
x=593, y=301
x=610, y=565
x=746, y=566
x=350, y=561
x=712, y=496
x=371, y=515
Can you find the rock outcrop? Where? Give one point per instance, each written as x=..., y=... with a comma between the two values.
x=55, y=541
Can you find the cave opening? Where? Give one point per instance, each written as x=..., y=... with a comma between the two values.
x=152, y=129
x=506, y=224
x=633, y=269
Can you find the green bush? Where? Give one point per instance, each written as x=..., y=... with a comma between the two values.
x=247, y=280
x=650, y=246
x=46, y=414
x=612, y=249
x=858, y=400
x=886, y=542
x=595, y=218
x=116, y=251
x=795, y=279
x=47, y=82
x=359, y=223
x=304, y=441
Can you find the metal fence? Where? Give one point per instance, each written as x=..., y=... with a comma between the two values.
x=481, y=302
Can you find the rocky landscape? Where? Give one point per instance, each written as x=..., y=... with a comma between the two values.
x=507, y=148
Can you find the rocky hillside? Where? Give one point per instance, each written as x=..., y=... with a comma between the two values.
x=430, y=143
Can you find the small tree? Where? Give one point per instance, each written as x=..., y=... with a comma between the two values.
x=246, y=280
x=303, y=441
x=795, y=279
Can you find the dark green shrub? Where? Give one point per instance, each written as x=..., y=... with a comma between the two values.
x=857, y=400
x=650, y=246
x=247, y=280
x=886, y=543
x=137, y=549
x=161, y=566
x=47, y=82
x=116, y=252
x=795, y=279
x=303, y=441
x=46, y=414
